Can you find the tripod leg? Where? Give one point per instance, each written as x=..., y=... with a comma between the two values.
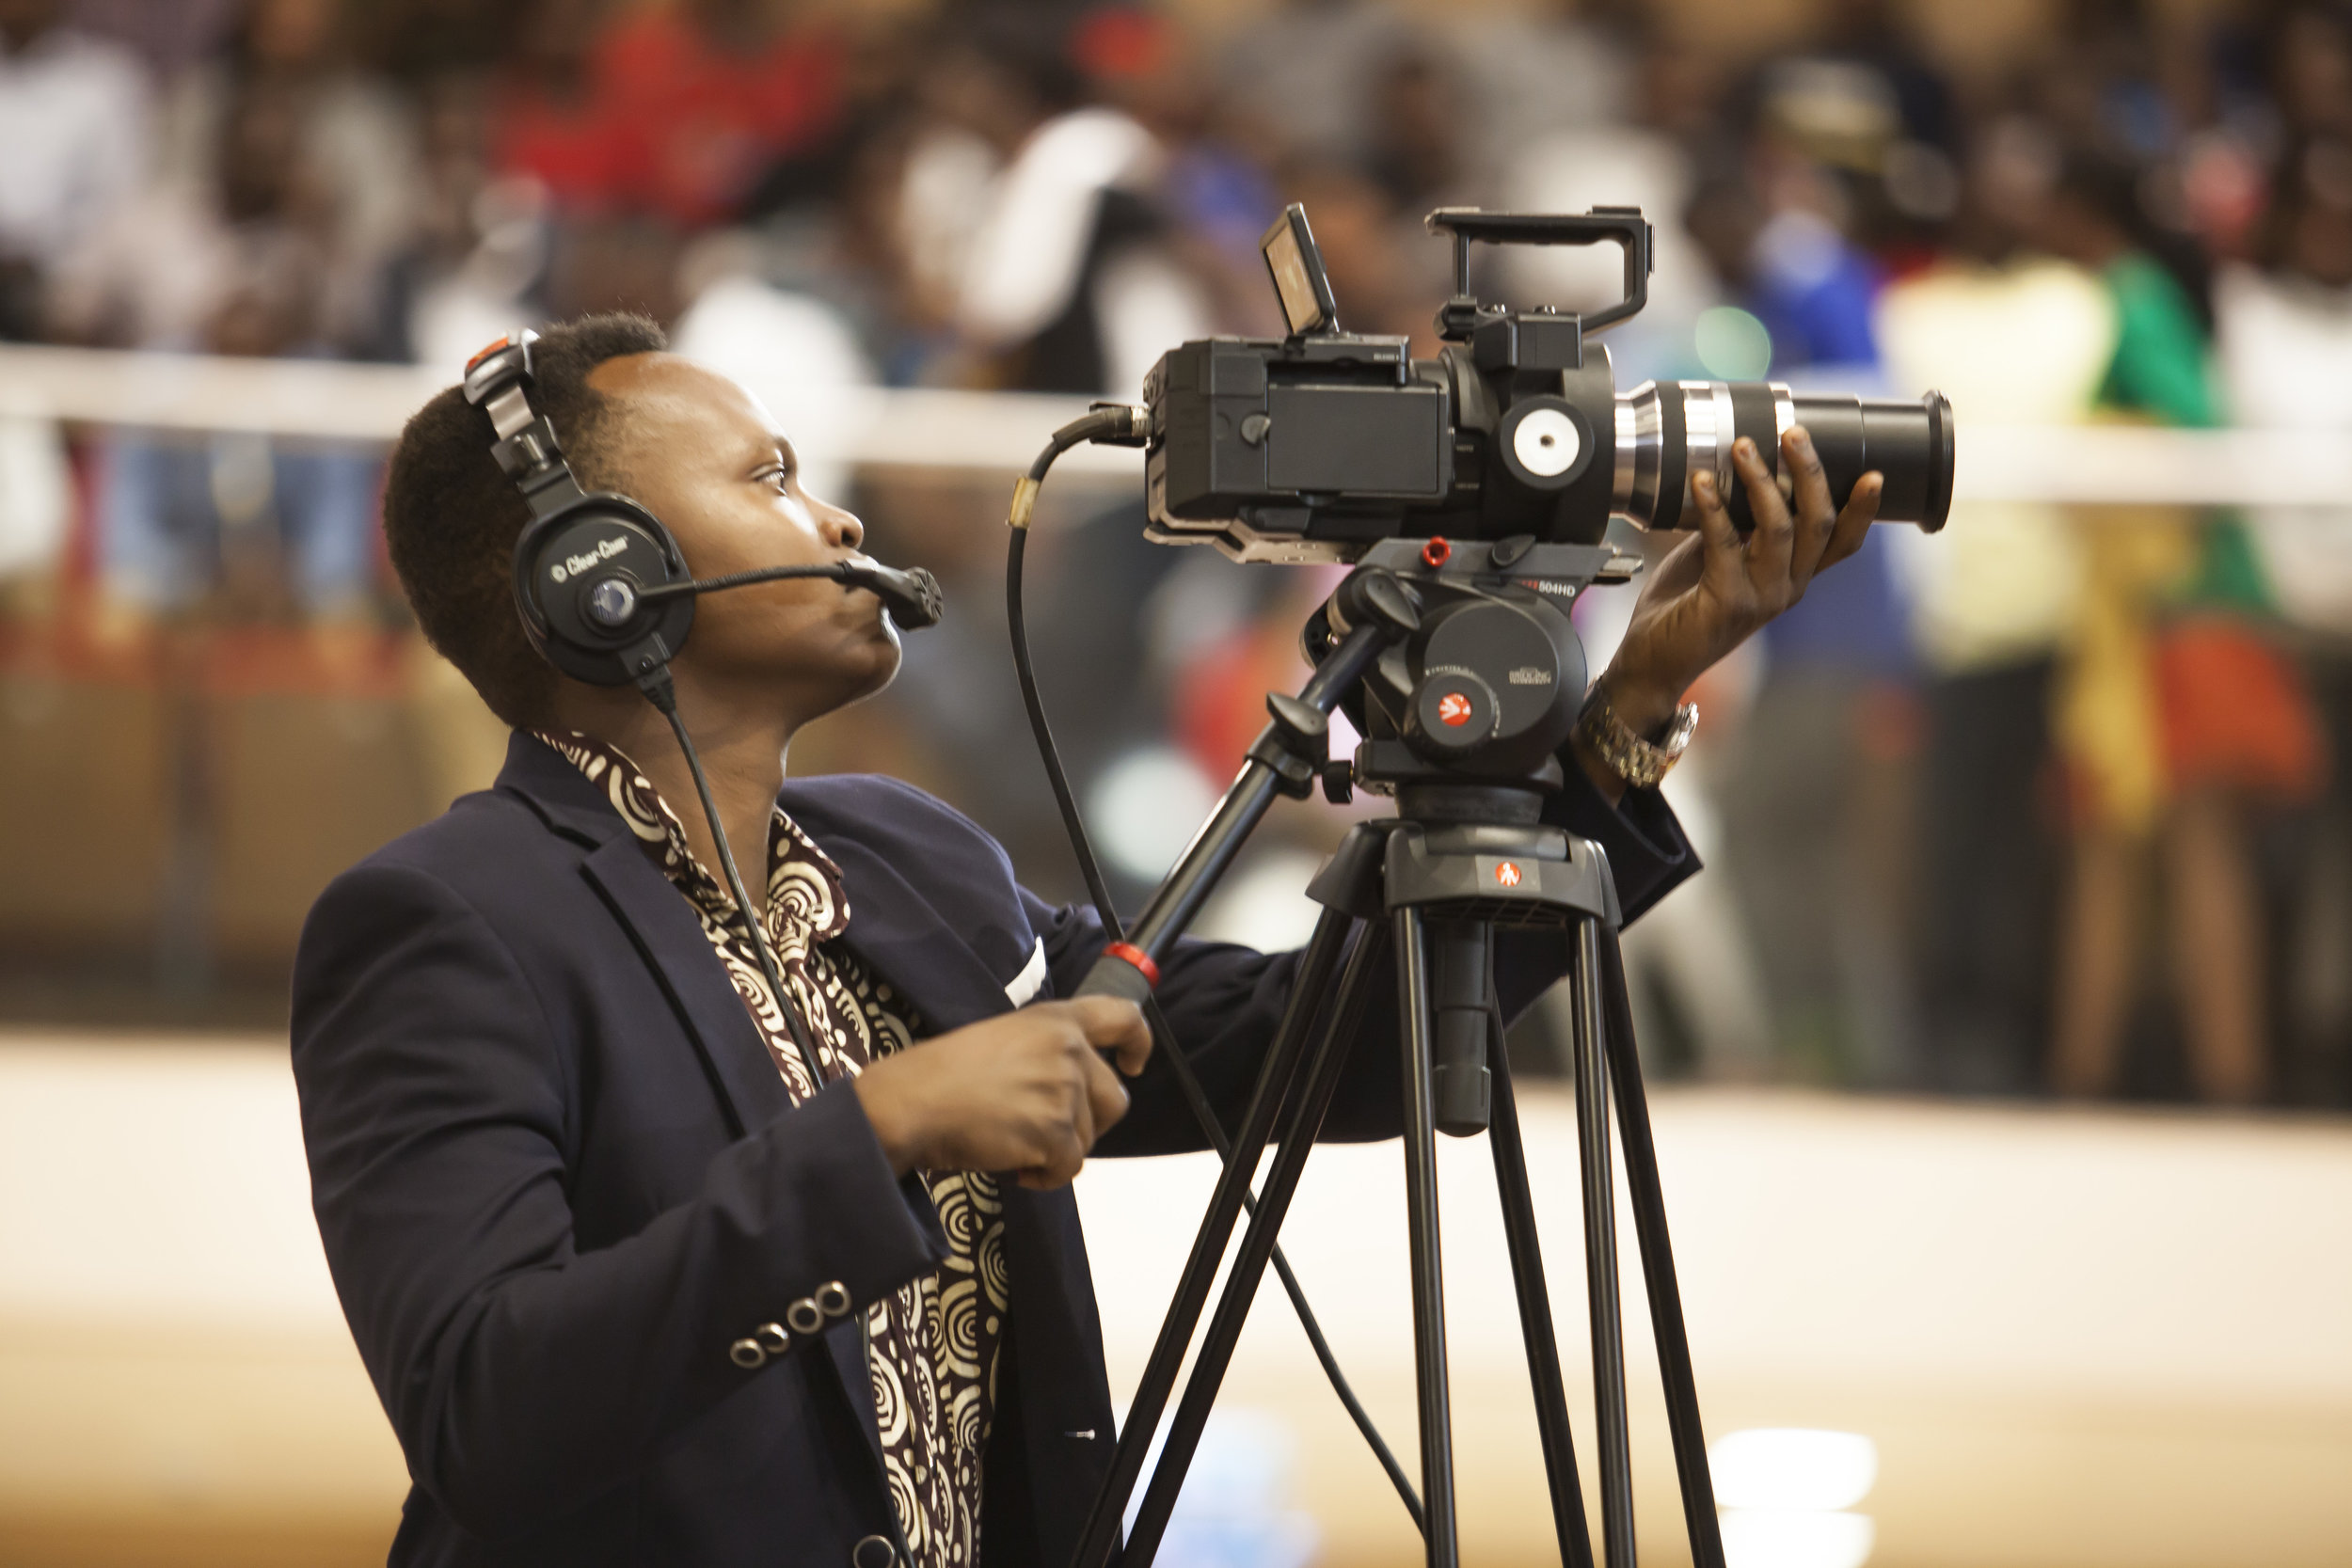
x=1325, y=1067
x=1658, y=1271
x=1601, y=1249
x=1543, y=1346
x=1420, y=1200
x=1101, y=1536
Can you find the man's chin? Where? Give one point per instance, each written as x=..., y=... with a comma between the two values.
x=882, y=668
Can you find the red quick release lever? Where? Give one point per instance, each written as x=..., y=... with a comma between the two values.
x=1129, y=953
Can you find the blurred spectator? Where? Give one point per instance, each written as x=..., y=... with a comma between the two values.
x=1388, y=275
x=1865, y=83
x=676, y=110
x=417, y=41
x=1217, y=198
x=476, y=263
x=243, y=263
x=792, y=352
x=73, y=112
x=2012, y=336
x=1417, y=150
x=2310, y=68
x=1645, y=165
x=1817, y=775
x=2172, y=713
x=552, y=123
x=168, y=35
x=2286, y=340
x=1297, y=72
x=353, y=141
x=1530, y=74
x=1786, y=261
x=1070, y=282
x=2115, y=75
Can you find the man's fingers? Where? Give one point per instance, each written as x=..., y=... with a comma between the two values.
x=1853, y=523
x=1059, y=1161
x=1085, y=1064
x=1107, y=1096
x=1069, y=1158
x=1773, y=543
x=1726, y=555
x=1816, y=515
x=1115, y=1027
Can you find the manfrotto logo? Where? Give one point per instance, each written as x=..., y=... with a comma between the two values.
x=1528, y=674
x=606, y=549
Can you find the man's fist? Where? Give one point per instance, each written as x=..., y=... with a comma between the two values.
x=1026, y=1092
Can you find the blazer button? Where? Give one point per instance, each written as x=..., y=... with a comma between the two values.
x=807, y=1317
x=833, y=1299
x=748, y=1353
x=773, y=1339
x=874, y=1551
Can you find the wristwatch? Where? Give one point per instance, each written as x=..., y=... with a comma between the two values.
x=1639, y=762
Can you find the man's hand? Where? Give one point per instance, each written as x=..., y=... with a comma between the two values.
x=1026, y=1091
x=1711, y=592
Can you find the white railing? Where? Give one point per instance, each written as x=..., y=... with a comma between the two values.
x=1000, y=432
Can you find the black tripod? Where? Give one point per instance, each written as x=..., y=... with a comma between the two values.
x=1465, y=863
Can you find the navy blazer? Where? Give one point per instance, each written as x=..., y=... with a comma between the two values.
x=557, y=1173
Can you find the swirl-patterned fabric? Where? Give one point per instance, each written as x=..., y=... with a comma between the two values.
x=932, y=1343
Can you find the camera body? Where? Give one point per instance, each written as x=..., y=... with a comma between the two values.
x=1314, y=446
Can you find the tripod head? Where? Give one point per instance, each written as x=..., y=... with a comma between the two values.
x=1485, y=689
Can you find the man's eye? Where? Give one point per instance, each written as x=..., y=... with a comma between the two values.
x=781, y=479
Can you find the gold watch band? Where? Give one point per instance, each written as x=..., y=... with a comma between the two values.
x=1639, y=762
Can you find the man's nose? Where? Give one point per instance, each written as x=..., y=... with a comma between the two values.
x=841, y=529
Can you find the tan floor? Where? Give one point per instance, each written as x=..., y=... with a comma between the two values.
x=2079, y=1339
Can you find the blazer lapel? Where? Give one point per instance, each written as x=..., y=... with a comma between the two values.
x=666, y=932
x=896, y=930
x=663, y=926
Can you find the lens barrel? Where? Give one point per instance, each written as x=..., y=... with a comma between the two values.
x=1665, y=434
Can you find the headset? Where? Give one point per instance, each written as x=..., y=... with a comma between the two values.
x=600, y=584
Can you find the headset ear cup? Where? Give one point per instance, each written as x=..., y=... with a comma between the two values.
x=559, y=560
x=527, y=606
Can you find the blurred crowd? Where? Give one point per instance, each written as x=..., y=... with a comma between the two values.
x=2049, y=802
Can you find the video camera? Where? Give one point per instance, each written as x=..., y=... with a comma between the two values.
x=1313, y=447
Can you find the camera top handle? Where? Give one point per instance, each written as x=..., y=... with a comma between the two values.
x=1623, y=225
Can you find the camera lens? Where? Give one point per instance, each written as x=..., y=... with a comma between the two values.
x=1667, y=434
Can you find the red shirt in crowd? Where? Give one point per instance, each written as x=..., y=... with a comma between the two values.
x=670, y=123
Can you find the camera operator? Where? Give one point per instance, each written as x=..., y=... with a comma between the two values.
x=632, y=1287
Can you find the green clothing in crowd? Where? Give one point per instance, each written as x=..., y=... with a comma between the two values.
x=2160, y=368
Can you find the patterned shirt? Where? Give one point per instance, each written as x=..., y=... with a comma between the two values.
x=933, y=1343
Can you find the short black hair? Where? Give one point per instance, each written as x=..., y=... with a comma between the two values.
x=451, y=517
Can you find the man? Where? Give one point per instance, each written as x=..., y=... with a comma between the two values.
x=633, y=1288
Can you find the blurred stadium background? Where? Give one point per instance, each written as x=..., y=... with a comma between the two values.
x=2003, y=1053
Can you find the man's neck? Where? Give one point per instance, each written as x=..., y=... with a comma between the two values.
x=742, y=759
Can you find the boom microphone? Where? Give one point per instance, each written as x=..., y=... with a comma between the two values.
x=912, y=597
